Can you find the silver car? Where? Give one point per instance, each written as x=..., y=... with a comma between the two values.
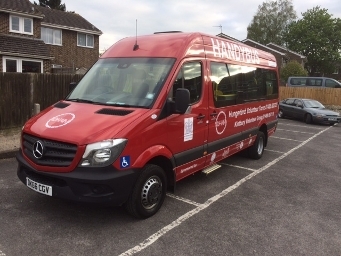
x=319, y=82
x=308, y=110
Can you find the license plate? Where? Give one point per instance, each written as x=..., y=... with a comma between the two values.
x=38, y=187
x=332, y=119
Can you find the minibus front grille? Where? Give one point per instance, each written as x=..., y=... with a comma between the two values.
x=48, y=152
x=114, y=112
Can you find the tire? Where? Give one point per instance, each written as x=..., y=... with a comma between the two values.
x=257, y=149
x=308, y=119
x=280, y=114
x=148, y=193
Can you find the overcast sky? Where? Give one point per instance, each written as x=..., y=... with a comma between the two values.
x=117, y=18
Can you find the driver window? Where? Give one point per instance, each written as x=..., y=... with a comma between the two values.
x=189, y=77
x=298, y=103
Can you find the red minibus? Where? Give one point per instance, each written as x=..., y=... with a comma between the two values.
x=151, y=111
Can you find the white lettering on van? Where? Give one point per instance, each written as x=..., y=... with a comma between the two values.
x=188, y=168
x=233, y=51
x=220, y=123
x=60, y=120
x=237, y=113
x=239, y=123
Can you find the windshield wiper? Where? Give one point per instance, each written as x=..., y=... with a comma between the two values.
x=86, y=101
x=81, y=100
x=117, y=104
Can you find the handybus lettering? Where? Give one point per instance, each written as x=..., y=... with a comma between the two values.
x=235, y=52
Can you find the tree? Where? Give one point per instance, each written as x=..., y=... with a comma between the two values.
x=293, y=68
x=271, y=21
x=53, y=4
x=317, y=36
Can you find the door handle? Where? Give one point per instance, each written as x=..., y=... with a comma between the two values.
x=200, y=116
x=213, y=115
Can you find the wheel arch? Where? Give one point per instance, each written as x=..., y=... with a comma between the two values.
x=168, y=167
x=264, y=129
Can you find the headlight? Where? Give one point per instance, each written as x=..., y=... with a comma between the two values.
x=319, y=115
x=102, y=153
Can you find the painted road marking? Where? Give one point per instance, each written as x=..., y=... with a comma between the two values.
x=286, y=139
x=276, y=151
x=304, y=126
x=154, y=237
x=183, y=199
x=240, y=167
x=278, y=129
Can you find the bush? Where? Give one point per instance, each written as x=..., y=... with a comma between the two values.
x=293, y=68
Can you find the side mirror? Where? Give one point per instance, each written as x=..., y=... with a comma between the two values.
x=182, y=100
x=72, y=86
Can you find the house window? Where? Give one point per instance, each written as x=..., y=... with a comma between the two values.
x=11, y=66
x=21, y=25
x=22, y=65
x=51, y=36
x=85, y=40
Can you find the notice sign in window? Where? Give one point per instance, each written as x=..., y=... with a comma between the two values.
x=188, y=129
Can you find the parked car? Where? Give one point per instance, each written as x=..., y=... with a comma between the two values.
x=308, y=110
x=298, y=81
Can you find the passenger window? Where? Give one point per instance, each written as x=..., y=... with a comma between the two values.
x=224, y=86
x=314, y=82
x=234, y=84
x=190, y=78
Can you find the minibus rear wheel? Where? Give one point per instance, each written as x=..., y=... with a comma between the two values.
x=257, y=149
x=148, y=193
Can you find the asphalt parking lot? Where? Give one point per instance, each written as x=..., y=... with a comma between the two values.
x=286, y=203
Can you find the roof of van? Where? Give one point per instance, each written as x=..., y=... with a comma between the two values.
x=180, y=45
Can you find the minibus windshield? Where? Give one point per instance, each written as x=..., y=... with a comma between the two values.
x=126, y=82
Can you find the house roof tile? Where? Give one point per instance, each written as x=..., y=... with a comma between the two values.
x=23, y=6
x=23, y=46
x=50, y=16
x=67, y=19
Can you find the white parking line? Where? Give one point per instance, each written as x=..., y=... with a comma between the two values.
x=154, y=237
x=304, y=126
x=274, y=151
x=285, y=138
x=2, y=254
x=237, y=166
x=181, y=199
x=293, y=131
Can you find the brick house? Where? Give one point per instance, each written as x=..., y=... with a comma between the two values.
x=39, y=39
x=282, y=55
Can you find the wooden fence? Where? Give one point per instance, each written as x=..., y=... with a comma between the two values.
x=327, y=96
x=19, y=92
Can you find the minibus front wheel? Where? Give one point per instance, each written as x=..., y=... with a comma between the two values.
x=148, y=193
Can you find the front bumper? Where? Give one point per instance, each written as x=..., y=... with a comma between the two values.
x=84, y=184
x=326, y=120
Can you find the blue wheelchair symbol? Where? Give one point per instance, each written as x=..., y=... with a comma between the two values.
x=125, y=161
